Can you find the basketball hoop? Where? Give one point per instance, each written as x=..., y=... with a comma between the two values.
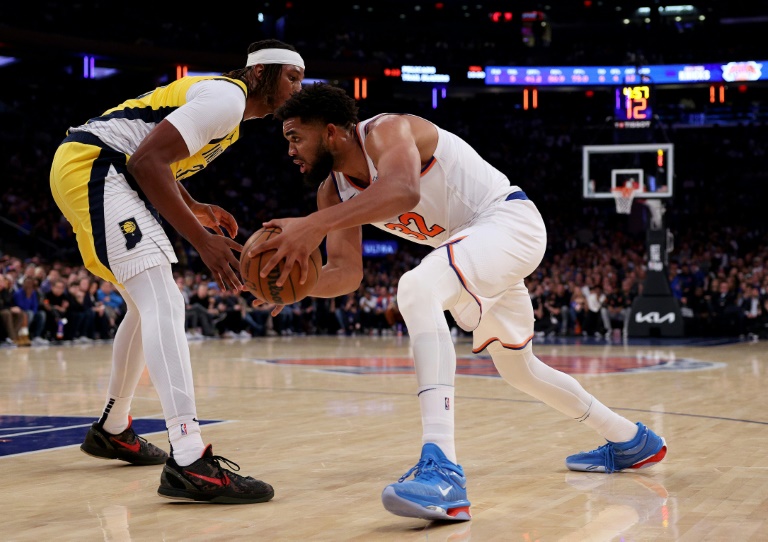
x=624, y=196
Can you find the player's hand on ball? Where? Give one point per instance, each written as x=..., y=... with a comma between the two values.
x=299, y=239
x=267, y=286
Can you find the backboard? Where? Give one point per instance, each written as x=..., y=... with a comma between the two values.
x=648, y=166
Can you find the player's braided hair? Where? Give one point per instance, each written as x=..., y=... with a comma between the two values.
x=267, y=85
x=320, y=102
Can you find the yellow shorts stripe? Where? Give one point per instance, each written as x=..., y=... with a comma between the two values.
x=77, y=184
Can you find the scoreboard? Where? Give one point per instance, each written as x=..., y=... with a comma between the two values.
x=660, y=74
x=632, y=106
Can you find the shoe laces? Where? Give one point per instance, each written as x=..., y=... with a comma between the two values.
x=128, y=435
x=606, y=451
x=218, y=460
x=423, y=467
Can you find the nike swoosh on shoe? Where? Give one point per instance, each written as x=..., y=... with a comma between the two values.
x=135, y=447
x=217, y=481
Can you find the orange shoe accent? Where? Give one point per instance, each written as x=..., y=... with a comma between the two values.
x=453, y=512
x=652, y=460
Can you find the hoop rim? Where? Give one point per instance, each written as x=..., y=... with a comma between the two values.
x=624, y=196
x=625, y=191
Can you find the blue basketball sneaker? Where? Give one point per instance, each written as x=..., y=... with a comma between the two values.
x=438, y=490
x=643, y=451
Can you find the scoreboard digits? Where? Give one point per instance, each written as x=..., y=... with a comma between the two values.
x=633, y=107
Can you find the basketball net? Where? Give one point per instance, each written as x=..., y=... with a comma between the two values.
x=624, y=196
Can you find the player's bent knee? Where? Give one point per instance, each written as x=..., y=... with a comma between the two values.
x=431, y=284
x=414, y=291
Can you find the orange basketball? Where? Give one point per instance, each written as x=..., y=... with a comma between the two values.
x=266, y=288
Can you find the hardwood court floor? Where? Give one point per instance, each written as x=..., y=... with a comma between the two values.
x=330, y=421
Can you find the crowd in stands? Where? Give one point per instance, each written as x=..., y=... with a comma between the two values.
x=44, y=303
x=586, y=290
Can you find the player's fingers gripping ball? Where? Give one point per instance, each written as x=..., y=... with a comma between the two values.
x=266, y=288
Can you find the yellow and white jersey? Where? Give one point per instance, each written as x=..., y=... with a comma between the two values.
x=118, y=230
x=457, y=186
x=209, y=124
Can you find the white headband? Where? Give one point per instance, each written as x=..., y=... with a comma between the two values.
x=275, y=56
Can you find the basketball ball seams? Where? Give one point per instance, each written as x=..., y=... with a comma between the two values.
x=314, y=263
x=265, y=288
x=258, y=268
x=257, y=285
x=293, y=288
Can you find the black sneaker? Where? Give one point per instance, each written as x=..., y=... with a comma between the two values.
x=206, y=480
x=127, y=446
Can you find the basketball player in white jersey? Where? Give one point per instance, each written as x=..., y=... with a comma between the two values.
x=419, y=182
x=110, y=178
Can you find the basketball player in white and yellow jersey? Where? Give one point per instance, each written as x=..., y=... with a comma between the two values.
x=403, y=174
x=111, y=177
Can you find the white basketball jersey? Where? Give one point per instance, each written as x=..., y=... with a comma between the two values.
x=456, y=186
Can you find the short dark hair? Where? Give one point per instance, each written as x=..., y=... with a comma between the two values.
x=320, y=102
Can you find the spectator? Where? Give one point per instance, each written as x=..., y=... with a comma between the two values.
x=204, y=303
x=231, y=307
x=367, y=305
x=579, y=312
x=752, y=311
x=383, y=299
x=701, y=306
x=544, y=324
x=595, y=301
x=257, y=319
x=197, y=323
x=46, y=284
x=560, y=307
x=56, y=304
x=96, y=324
x=13, y=318
x=726, y=312
x=303, y=312
x=114, y=306
x=28, y=298
x=615, y=311
x=325, y=317
x=75, y=329
x=348, y=314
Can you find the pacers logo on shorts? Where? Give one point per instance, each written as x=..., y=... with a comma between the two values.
x=131, y=232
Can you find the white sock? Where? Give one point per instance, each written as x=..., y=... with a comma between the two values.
x=608, y=424
x=127, y=368
x=115, y=417
x=186, y=441
x=437, y=418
